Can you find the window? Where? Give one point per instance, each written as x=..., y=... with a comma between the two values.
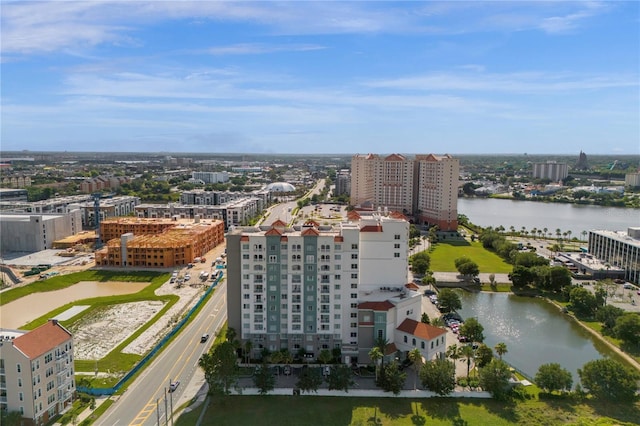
x=396, y=245
x=354, y=247
x=354, y=285
x=405, y=339
x=336, y=277
x=354, y=266
x=432, y=344
x=396, y=254
x=422, y=345
x=354, y=255
x=413, y=341
x=354, y=315
x=354, y=276
x=354, y=295
x=19, y=368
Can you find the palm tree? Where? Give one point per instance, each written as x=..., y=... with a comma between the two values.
x=584, y=235
x=382, y=343
x=524, y=230
x=558, y=233
x=453, y=353
x=501, y=349
x=416, y=358
x=545, y=231
x=534, y=231
x=467, y=354
x=248, y=347
x=569, y=235
x=512, y=229
x=375, y=355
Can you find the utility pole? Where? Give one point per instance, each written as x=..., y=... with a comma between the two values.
x=158, y=410
x=165, y=407
x=171, y=398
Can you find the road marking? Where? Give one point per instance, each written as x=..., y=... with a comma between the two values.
x=145, y=413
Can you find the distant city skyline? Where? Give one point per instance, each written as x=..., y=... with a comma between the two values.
x=321, y=77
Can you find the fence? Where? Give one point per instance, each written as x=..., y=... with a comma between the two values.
x=156, y=348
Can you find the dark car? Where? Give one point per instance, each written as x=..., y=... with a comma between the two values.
x=204, y=338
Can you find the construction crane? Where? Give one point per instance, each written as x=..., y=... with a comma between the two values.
x=96, y=217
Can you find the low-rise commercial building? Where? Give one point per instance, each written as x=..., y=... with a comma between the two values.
x=618, y=249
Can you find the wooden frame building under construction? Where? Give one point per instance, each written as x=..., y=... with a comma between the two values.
x=157, y=243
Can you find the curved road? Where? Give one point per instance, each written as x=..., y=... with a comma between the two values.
x=146, y=399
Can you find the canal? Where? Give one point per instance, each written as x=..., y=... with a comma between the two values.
x=535, y=332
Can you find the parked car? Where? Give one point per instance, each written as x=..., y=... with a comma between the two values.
x=429, y=292
x=174, y=385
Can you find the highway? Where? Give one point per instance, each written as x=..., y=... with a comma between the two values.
x=144, y=402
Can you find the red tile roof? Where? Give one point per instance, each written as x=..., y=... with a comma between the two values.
x=310, y=231
x=371, y=228
x=279, y=223
x=420, y=329
x=390, y=349
x=376, y=306
x=273, y=231
x=41, y=340
x=412, y=286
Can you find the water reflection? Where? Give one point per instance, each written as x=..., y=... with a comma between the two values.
x=535, y=332
x=26, y=309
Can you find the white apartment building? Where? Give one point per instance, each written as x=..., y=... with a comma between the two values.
x=318, y=287
x=550, y=170
x=425, y=187
x=36, y=372
x=632, y=179
x=30, y=232
x=210, y=177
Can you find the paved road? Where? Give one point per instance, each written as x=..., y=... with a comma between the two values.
x=144, y=401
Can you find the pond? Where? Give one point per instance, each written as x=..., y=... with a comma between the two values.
x=535, y=331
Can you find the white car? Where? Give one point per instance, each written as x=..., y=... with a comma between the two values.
x=174, y=385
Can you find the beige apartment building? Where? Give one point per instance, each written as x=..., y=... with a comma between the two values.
x=425, y=186
x=36, y=372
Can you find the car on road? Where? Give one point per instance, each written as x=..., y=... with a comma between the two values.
x=174, y=385
x=204, y=338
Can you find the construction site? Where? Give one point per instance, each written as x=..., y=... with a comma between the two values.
x=157, y=243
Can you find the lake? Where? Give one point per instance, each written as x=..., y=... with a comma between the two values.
x=530, y=214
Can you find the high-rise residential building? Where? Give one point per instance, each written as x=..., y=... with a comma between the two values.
x=550, y=170
x=36, y=372
x=343, y=182
x=632, y=180
x=315, y=288
x=362, y=179
x=425, y=187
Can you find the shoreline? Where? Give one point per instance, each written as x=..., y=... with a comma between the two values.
x=628, y=358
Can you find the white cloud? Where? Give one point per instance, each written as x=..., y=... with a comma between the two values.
x=29, y=27
x=524, y=82
x=261, y=48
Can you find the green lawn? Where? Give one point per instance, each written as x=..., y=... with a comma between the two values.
x=336, y=411
x=445, y=253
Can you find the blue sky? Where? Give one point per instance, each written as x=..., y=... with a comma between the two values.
x=321, y=77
